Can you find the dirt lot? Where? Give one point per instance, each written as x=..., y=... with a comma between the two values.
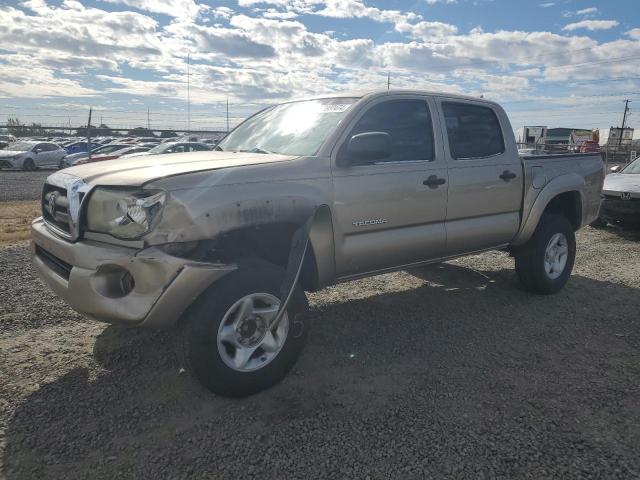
x=446, y=371
x=15, y=219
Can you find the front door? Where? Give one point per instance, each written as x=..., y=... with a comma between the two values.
x=485, y=177
x=391, y=212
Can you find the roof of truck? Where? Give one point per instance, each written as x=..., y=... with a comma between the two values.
x=393, y=91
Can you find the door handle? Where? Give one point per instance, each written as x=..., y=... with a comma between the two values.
x=433, y=181
x=507, y=175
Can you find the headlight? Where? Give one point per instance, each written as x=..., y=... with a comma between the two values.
x=124, y=214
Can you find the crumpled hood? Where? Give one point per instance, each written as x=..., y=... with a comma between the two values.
x=145, y=168
x=10, y=153
x=620, y=182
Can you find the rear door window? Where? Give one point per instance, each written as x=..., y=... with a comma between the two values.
x=473, y=131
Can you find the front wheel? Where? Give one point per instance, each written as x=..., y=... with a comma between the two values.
x=545, y=262
x=227, y=340
x=28, y=165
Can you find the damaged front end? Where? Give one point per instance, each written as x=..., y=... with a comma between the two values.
x=145, y=255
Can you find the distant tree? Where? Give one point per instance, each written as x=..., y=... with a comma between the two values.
x=82, y=131
x=140, y=132
x=168, y=134
x=104, y=131
x=19, y=129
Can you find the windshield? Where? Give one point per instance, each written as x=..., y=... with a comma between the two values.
x=633, y=167
x=296, y=128
x=21, y=146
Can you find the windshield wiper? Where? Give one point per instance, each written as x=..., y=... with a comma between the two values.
x=256, y=150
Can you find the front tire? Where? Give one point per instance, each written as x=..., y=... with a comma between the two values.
x=225, y=341
x=28, y=165
x=545, y=262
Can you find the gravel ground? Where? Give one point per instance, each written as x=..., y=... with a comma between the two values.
x=17, y=185
x=447, y=371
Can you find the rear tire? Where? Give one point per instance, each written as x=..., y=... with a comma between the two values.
x=28, y=165
x=215, y=359
x=545, y=262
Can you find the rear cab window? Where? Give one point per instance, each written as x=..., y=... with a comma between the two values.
x=473, y=131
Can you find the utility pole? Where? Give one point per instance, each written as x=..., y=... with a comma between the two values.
x=388, y=80
x=624, y=122
x=148, y=120
x=188, y=93
x=89, y=134
x=227, y=113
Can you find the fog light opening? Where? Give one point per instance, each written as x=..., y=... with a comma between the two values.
x=112, y=281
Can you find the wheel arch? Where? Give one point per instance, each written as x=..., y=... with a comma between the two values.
x=562, y=196
x=273, y=242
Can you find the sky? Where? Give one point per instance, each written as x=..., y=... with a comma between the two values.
x=176, y=63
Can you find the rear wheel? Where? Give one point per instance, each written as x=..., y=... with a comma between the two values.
x=228, y=342
x=28, y=165
x=545, y=262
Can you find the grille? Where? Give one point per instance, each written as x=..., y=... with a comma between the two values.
x=617, y=199
x=55, y=208
x=60, y=267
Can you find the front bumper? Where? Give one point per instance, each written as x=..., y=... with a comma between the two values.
x=10, y=163
x=616, y=210
x=82, y=274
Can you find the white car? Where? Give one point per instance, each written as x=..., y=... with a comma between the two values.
x=31, y=155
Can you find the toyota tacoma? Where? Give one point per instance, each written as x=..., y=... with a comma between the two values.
x=223, y=244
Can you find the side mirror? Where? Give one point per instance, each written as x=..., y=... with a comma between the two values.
x=615, y=169
x=367, y=147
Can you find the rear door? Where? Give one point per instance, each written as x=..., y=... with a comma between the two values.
x=385, y=215
x=49, y=153
x=485, y=176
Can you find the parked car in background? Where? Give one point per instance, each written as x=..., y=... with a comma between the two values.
x=99, y=150
x=32, y=155
x=621, y=196
x=589, y=146
x=5, y=140
x=79, y=147
x=175, y=147
x=113, y=155
x=298, y=197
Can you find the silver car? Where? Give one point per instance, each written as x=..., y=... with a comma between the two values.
x=31, y=155
x=621, y=196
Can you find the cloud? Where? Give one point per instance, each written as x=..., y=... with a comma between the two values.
x=427, y=31
x=547, y=4
x=587, y=11
x=172, y=8
x=270, y=53
x=591, y=25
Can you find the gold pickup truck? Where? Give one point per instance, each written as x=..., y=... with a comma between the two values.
x=299, y=196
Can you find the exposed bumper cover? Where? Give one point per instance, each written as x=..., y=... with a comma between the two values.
x=10, y=163
x=618, y=210
x=163, y=285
